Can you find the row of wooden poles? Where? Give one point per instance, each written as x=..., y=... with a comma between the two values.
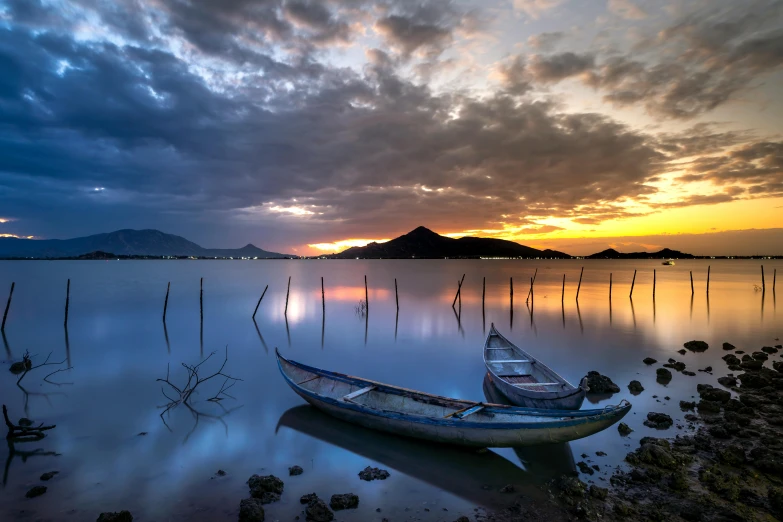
x=458, y=296
x=529, y=299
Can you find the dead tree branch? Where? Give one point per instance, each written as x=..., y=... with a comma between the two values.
x=182, y=395
x=24, y=433
x=28, y=367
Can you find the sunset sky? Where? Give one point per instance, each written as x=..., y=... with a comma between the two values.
x=309, y=126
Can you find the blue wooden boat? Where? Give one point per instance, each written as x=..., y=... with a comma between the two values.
x=424, y=416
x=526, y=381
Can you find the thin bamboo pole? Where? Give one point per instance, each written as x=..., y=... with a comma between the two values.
x=535, y=274
x=633, y=282
x=287, y=292
x=708, y=280
x=653, y=283
x=67, y=302
x=259, y=301
x=763, y=284
x=610, y=286
x=166, y=302
x=692, y=292
x=323, y=295
x=396, y=295
x=579, y=286
x=562, y=295
x=8, y=305
x=366, y=296
x=459, y=287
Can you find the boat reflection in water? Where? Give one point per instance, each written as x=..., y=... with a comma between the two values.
x=475, y=476
x=542, y=462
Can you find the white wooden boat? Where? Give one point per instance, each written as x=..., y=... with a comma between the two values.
x=421, y=415
x=525, y=380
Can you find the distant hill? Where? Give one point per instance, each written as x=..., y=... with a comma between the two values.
x=666, y=253
x=423, y=243
x=123, y=243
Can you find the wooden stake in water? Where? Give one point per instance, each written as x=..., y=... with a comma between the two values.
x=653, y=283
x=483, y=292
x=8, y=305
x=459, y=287
x=708, y=280
x=692, y=283
x=366, y=298
x=323, y=296
x=774, y=278
x=633, y=282
x=166, y=302
x=610, y=288
x=531, y=286
x=763, y=285
x=579, y=286
x=259, y=301
x=511, y=287
x=396, y=295
x=67, y=302
x=201, y=299
x=562, y=295
x=288, y=291
x=532, y=279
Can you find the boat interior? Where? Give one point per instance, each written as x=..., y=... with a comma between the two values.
x=519, y=369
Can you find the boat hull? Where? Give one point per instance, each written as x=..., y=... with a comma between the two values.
x=463, y=432
x=572, y=401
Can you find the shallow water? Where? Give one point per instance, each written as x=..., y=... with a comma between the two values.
x=118, y=347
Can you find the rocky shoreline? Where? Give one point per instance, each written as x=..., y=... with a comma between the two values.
x=729, y=469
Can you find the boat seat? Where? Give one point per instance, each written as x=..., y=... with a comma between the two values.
x=351, y=396
x=502, y=361
x=524, y=384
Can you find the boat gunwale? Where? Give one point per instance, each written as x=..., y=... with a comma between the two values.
x=569, y=418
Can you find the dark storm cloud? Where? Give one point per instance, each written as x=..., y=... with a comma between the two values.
x=556, y=67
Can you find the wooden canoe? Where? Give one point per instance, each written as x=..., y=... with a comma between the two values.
x=420, y=415
x=525, y=380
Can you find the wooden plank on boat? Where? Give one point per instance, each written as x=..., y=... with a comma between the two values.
x=501, y=361
x=523, y=384
x=475, y=409
x=351, y=396
x=459, y=412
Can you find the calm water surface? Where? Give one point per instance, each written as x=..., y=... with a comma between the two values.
x=117, y=346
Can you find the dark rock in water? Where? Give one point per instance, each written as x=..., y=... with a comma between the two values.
x=220, y=473
x=663, y=375
x=584, y=468
x=722, y=484
x=733, y=455
x=309, y=497
x=122, y=516
x=739, y=352
x=571, y=486
x=719, y=432
x=462, y=519
x=600, y=454
x=344, y=501
x=728, y=346
x=752, y=364
x=369, y=474
x=708, y=406
x=707, y=369
x=731, y=359
x=35, y=491
x=635, y=387
x=760, y=356
x=598, y=492
x=20, y=366
x=691, y=417
x=685, y=405
x=623, y=429
x=265, y=497
x=677, y=366
x=778, y=366
x=266, y=483
x=659, y=421
x=649, y=360
x=295, y=470
x=318, y=511
x=753, y=380
x=696, y=346
x=656, y=452
x=769, y=349
x=49, y=475
x=735, y=367
x=598, y=383
x=508, y=488
x=681, y=351
x=728, y=382
x=24, y=422
x=251, y=510
x=746, y=358
x=688, y=373
x=708, y=393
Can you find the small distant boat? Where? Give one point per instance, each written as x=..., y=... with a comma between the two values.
x=668, y=262
x=525, y=380
x=430, y=417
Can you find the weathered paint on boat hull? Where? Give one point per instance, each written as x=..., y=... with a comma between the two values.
x=518, y=398
x=466, y=433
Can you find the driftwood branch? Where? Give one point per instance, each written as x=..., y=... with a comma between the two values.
x=28, y=367
x=182, y=394
x=24, y=433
